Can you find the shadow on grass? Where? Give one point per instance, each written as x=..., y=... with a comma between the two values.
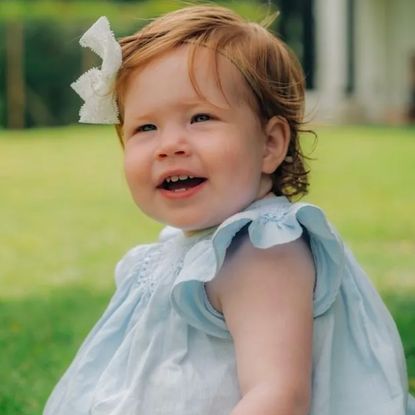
x=39, y=337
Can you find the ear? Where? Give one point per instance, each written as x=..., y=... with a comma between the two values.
x=277, y=137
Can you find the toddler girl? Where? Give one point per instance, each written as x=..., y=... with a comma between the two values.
x=249, y=304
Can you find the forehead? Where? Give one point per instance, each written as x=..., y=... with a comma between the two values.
x=198, y=71
x=207, y=65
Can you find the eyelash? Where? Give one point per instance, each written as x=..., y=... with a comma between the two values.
x=144, y=128
x=208, y=117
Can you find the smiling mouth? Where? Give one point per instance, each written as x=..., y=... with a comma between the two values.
x=176, y=184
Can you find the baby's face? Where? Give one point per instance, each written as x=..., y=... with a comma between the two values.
x=192, y=162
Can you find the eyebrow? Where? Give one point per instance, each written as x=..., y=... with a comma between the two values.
x=186, y=105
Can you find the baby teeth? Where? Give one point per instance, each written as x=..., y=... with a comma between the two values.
x=177, y=178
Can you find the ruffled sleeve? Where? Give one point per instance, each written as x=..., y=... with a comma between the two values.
x=269, y=222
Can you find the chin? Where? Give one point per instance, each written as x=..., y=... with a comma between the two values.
x=192, y=221
x=191, y=227
x=188, y=225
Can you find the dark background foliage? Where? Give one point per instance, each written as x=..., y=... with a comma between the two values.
x=49, y=58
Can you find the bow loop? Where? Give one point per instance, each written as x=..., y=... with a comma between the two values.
x=96, y=86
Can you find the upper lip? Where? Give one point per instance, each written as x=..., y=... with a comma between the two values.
x=177, y=172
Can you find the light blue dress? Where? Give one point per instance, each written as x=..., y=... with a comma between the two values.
x=160, y=348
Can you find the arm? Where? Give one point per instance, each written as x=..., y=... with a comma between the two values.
x=266, y=296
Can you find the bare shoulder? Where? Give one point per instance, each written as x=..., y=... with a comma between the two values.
x=247, y=265
x=266, y=297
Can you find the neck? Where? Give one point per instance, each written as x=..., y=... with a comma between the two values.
x=199, y=231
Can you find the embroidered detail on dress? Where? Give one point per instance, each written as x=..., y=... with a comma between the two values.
x=144, y=278
x=146, y=275
x=271, y=217
x=179, y=267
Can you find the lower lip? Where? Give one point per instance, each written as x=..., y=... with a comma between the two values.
x=182, y=194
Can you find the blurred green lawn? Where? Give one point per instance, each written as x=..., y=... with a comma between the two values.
x=66, y=218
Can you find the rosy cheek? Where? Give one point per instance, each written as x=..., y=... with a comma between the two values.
x=129, y=171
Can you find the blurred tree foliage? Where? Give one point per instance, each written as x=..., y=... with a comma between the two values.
x=51, y=58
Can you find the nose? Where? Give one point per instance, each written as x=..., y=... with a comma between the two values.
x=173, y=143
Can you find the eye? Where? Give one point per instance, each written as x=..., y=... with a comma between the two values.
x=200, y=118
x=145, y=127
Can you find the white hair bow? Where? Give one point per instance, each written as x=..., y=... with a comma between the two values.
x=96, y=86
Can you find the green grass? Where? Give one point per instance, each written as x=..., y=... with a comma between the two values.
x=66, y=218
